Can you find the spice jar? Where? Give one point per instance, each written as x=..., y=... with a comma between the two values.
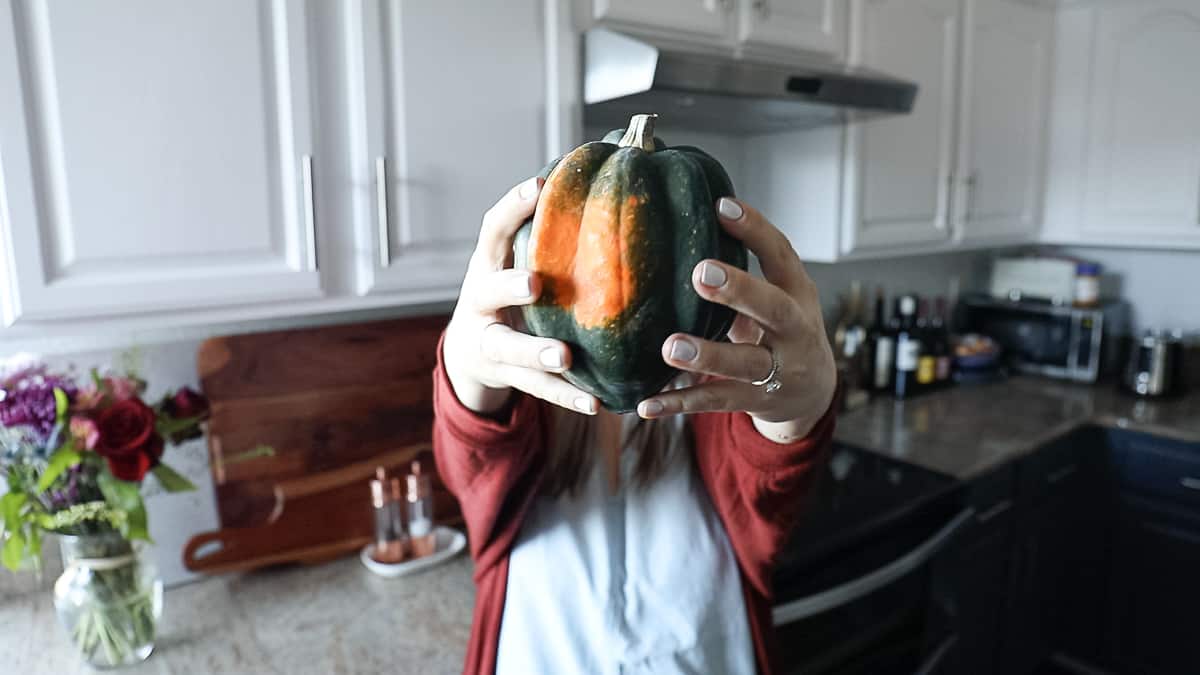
x=1087, y=284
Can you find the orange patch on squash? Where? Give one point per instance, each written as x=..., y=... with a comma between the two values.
x=580, y=245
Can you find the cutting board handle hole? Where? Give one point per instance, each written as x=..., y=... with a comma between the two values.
x=208, y=548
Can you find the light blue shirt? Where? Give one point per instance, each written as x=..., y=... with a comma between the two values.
x=643, y=581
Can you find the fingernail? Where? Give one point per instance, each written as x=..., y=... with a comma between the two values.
x=712, y=275
x=528, y=189
x=650, y=408
x=683, y=350
x=522, y=286
x=729, y=208
x=584, y=405
x=551, y=357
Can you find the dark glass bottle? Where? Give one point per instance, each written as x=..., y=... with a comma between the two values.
x=880, y=352
x=908, y=347
x=942, y=351
x=926, y=361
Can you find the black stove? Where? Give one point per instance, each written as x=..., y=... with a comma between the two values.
x=852, y=587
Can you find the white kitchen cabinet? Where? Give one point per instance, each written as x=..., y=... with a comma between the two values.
x=447, y=126
x=685, y=18
x=142, y=167
x=1143, y=148
x=1002, y=119
x=817, y=26
x=898, y=184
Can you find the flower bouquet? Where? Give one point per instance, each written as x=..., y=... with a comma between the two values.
x=75, y=456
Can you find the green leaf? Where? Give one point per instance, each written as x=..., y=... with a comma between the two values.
x=10, y=505
x=96, y=379
x=61, y=404
x=169, y=426
x=253, y=453
x=125, y=497
x=60, y=461
x=14, y=550
x=171, y=480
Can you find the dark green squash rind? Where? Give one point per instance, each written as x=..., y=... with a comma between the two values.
x=621, y=363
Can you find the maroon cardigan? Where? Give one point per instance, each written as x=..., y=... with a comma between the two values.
x=491, y=466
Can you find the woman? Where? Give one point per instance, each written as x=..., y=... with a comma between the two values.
x=659, y=561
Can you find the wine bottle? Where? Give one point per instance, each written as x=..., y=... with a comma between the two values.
x=908, y=347
x=926, y=360
x=941, y=343
x=880, y=350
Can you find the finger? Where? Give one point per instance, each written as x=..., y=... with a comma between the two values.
x=494, y=291
x=747, y=363
x=745, y=330
x=758, y=299
x=551, y=388
x=720, y=396
x=503, y=345
x=779, y=261
x=503, y=220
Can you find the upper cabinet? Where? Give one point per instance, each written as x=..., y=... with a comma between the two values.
x=810, y=25
x=1002, y=118
x=707, y=18
x=436, y=153
x=899, y=178
x=1143, y=160
x=1124, y=167
x=757, y=28
x=143, y=168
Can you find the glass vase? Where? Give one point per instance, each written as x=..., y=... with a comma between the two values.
x=108, y=599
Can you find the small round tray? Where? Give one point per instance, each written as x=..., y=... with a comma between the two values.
x=449, y=542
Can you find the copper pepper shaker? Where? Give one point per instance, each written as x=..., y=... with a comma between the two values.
x=419, y=501
x=388, y=547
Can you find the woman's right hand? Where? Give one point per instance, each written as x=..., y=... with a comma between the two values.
x=484, y=357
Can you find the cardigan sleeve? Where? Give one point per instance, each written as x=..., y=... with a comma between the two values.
x=756, y=485
x=488, y=464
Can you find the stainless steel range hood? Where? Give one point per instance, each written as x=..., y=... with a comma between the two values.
x=624, y=76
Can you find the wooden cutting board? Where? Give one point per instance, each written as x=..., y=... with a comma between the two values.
x=333, y=402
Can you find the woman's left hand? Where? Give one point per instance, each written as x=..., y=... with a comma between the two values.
x=778, y=336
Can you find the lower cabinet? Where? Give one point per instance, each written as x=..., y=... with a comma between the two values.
x=979, y=568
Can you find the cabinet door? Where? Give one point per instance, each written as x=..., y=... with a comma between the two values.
x=153, y=156
x=899, y=188
x=1154, y=590
x=1143, y=173
x=808, y=25
x=1006, y=68
x=442, y=152
x=697, y=17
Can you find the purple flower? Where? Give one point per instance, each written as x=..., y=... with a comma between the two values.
x=27, y=399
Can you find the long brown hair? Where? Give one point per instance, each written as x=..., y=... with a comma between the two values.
x=572, y=452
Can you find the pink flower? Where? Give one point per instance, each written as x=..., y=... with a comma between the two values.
x=123, y=388
x=87, y=399
x=85, y=431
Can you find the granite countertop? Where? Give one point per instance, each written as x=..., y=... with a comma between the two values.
x=335, y=618
x=340, y=618
x=965, y=430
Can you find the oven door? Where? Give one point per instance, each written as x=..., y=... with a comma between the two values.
x=881, y=622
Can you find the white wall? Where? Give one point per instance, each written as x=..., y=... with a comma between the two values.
x=1162, y=287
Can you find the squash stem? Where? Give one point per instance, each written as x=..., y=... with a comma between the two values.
x=640, y=133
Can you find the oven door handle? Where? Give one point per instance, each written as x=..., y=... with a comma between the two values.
x=842, y=594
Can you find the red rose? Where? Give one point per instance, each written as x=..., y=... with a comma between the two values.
x=128, y=439
x=187, y=402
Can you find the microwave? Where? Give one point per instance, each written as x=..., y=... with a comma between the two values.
x=1062, y=341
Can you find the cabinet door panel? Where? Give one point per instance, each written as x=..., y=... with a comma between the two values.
x=1154, y=590
x=1143, y=174
x=451, y=149
x=904, y=162
x=1007, y=62
x=145, y=169
x=702, y=17
x=808, y=25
